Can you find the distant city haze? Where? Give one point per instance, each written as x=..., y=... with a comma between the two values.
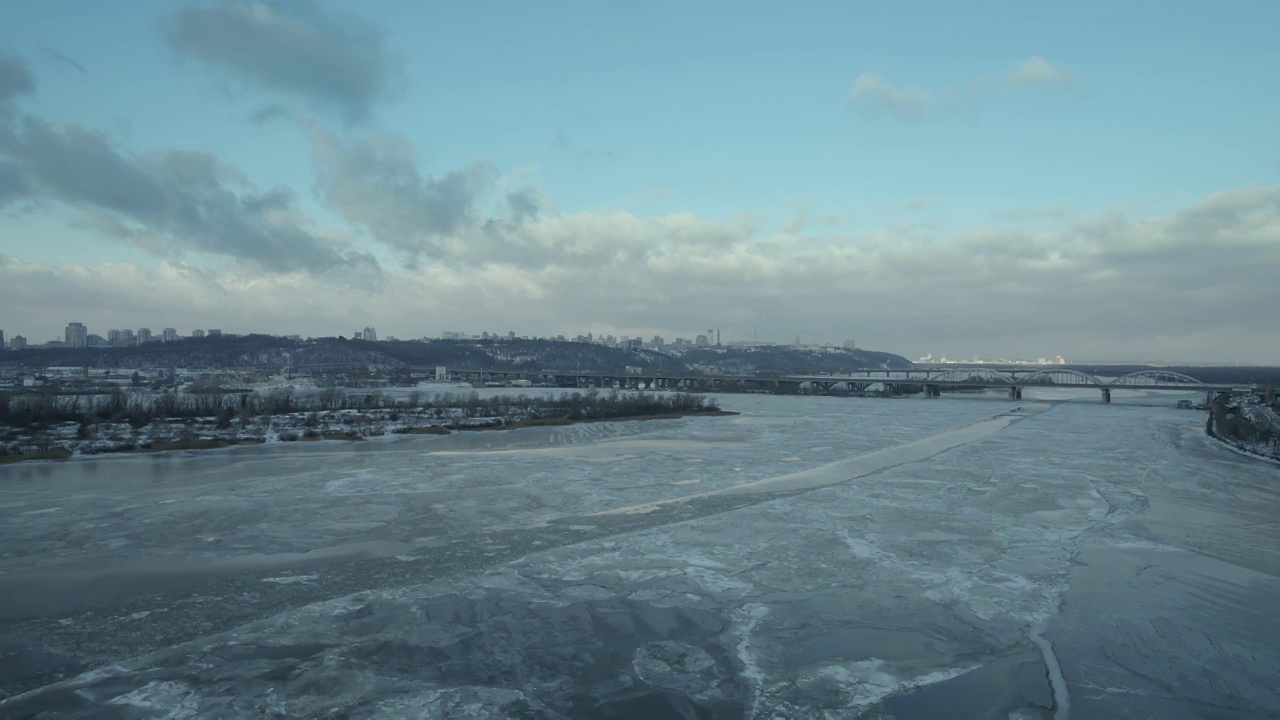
x=930, y=183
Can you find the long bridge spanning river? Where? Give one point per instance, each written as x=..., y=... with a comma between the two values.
x=930, y=382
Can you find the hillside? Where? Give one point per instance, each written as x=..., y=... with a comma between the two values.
x=781, y=359
x=269, y=352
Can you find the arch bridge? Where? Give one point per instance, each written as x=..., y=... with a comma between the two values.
x=932, y=381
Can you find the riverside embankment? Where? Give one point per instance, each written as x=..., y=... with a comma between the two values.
x=66, y=427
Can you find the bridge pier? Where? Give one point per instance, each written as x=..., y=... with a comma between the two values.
x=932, y=391
x=1106, y=395
x=1015, y=393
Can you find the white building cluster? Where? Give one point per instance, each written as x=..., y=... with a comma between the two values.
x=77, y=335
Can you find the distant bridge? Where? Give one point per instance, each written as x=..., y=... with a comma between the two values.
x=930, y=382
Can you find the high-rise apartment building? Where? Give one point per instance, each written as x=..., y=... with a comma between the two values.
x=197, y=333
x=18, y=343
x=215, y=332
x=169, y=335
x=2, y=345
x=122, y=338
x=370, y=335
x=144, y=335
x=77, y=335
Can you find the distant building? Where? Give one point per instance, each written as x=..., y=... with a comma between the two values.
x=121, y=338
x=658, y=343
x=849, y=345
x=197, y=333
x=215, y=332
x=635, y=343
x=169, y=335
x=701, y=341
x=18, y=343
x=77, y=335
x=2, y=345
x=144, y=335
x=370, y=335
x=442, y=373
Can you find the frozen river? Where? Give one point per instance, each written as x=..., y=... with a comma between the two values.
x=962, y=557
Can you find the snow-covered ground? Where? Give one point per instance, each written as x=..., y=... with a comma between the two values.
x=812, y=557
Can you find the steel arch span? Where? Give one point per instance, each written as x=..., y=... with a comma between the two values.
x=975, y=374
x=1156, y=377
x=1062, y=376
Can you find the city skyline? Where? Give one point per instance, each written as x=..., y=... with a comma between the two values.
x=1099, y=181
x=128, y=337
x=711, y=337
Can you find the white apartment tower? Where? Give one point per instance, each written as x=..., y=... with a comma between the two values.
x=77, y=335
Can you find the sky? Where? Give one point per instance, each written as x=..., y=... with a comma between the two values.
x=1095, y=180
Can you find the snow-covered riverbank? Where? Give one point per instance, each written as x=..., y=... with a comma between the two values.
x=68, y=439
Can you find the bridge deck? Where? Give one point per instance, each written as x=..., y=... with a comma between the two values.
x=907, y=377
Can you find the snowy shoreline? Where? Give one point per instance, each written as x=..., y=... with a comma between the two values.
x=65, y=441
x=1254, y=454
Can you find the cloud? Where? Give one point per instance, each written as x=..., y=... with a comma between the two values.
x=564, y=143
x=13, y=186
x=1181, y=286
x=15, y=77
x=166, y=202
x=334, y=61
x=980, y=288
x=63, y=60
x=375, y=184
x=872, y=94
x=1036, y=71
x=270, y=113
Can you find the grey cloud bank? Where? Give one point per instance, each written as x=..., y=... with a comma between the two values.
x=167, y=202
x=15, y=77
x=1098, y=286
x=332, y=60
x=376, y=185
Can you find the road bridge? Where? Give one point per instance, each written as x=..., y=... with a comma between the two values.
x=929, y=382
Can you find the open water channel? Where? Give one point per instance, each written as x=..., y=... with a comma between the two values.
x=959, y=557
